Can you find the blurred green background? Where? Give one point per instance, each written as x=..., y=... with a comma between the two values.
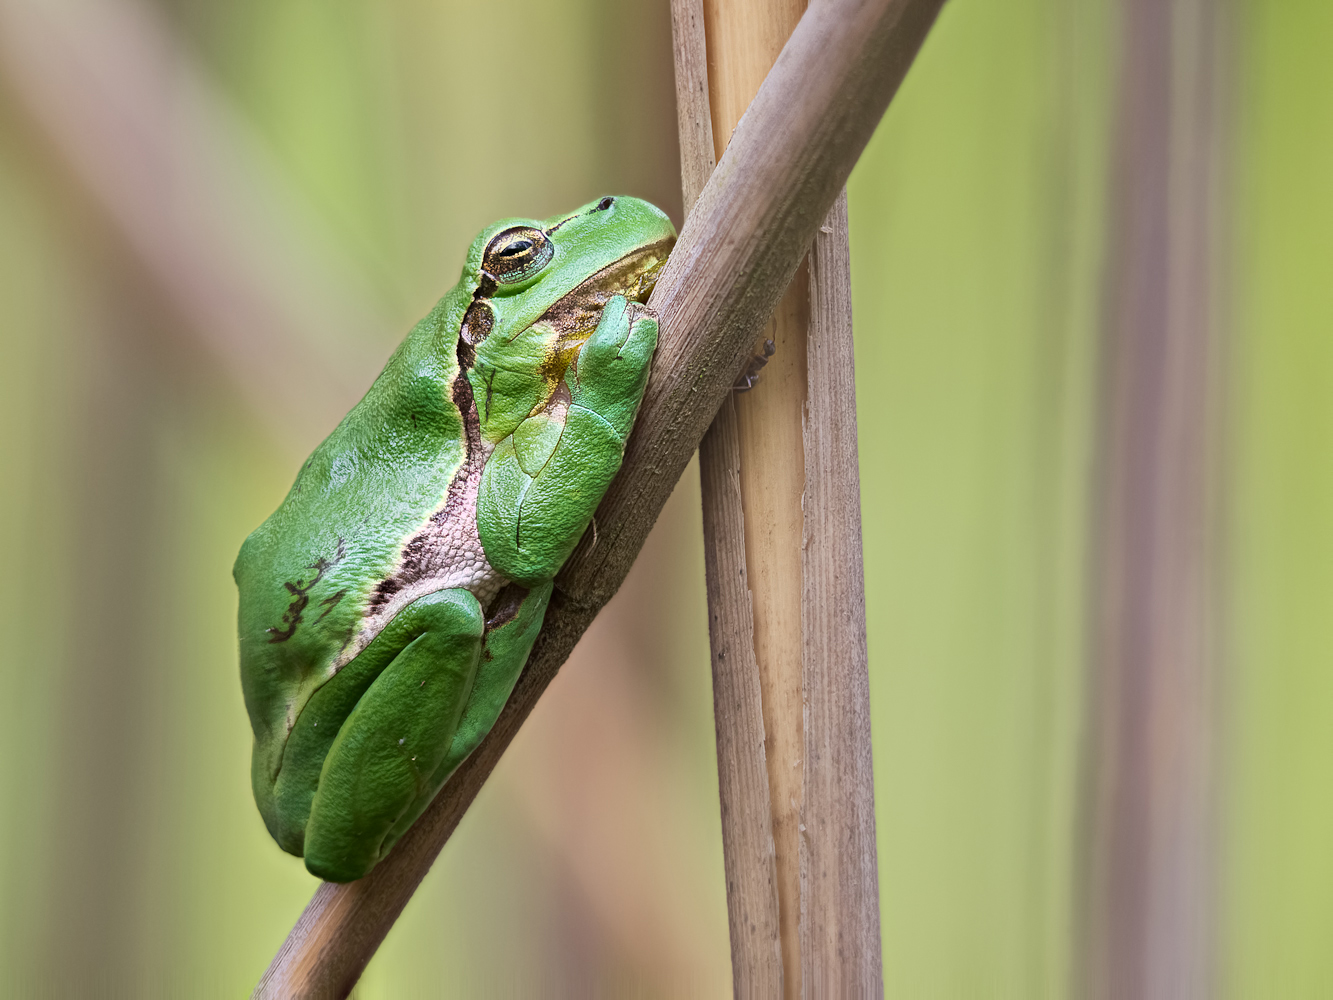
x=338, y=156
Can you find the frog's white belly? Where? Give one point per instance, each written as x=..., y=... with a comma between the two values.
x=445, y=554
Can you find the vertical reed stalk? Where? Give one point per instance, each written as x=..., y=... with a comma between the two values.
x=785, y=586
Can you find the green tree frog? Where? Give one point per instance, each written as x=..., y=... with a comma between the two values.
x=388, y=605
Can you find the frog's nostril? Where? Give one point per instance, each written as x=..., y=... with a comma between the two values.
x=604, y=204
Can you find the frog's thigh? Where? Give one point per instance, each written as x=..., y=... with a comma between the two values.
x=380, y=768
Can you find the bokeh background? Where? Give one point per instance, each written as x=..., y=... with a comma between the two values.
x=217, y=219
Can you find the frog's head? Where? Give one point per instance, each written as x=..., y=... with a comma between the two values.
x=538, y=289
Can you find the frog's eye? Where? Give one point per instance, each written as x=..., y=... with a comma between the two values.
x=517, y=254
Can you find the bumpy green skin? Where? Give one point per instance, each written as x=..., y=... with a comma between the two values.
x=389, y=604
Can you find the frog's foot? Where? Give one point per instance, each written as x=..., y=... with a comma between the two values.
x=611, y=370
x=514, y=619
x=542, y=483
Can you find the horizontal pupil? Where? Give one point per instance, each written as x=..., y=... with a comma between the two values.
x=514, y=249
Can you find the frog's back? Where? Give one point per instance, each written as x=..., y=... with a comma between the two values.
x=324, y=565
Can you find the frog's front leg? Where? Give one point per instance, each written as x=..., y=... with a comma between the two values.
x=362, y=759
x=542, y=484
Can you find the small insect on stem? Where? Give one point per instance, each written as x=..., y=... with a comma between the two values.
x=757, y=361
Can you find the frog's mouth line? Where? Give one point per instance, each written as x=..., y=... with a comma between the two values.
x=575, y=314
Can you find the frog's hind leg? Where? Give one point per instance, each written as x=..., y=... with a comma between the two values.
x=380, y=769
x=515, y=618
